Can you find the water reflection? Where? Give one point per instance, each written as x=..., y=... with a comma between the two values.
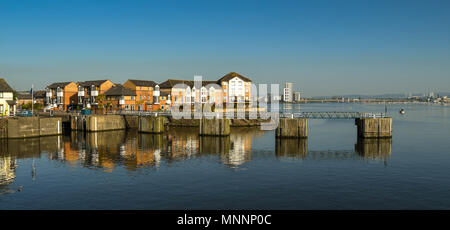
x=132, y=150
x=291, y=147
x=374, y=148
x=8, y=167
x=233, y=150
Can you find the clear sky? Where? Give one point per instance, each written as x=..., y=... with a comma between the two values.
x=325, y=47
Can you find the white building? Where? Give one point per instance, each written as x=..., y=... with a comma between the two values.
x=7, y=102
x=288, y=92
x=297, y=96
x=236, y=87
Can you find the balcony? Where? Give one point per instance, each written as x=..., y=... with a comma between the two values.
x=94, y=93
x=81, y=93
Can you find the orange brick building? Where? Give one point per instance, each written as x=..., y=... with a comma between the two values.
x=89, y=92
x=120, y=98
x=62, y=95
x=144, y=93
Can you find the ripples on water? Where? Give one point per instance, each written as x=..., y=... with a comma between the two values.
x=250, y=169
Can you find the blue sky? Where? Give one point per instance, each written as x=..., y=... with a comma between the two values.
x=324, y=47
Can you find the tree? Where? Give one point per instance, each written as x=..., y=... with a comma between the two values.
x=100, y=99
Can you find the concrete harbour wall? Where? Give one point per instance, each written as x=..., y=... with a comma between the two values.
x=25, y=127
x=97, y=123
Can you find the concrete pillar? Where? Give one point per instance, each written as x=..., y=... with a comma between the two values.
x=292, y=128
x=3, y=128
x=374, y=127
x=152, y=124
x=77, y=123
x=214, y=127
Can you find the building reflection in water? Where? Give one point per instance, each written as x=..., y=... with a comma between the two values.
x=291, y=147
x=374, y=148
x=234, y=150
x=8, y=167
x=132, y=150
x=108, y=149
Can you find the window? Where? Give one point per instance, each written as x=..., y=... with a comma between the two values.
x=126, y=107
x=132, y=97
x=132, y=107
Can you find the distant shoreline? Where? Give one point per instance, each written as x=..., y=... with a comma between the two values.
x=374, y=101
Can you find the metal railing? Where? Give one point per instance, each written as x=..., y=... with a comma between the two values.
x=139, y=113
x=332, y=115
x=309, y=115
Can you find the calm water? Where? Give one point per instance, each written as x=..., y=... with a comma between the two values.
x=248, y=170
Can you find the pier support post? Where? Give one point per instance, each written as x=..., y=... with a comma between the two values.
x=214, y=127
x=374, y=127
x=151, y=124
x=292, y=128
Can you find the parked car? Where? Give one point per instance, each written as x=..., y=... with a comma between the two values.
x=25, y=113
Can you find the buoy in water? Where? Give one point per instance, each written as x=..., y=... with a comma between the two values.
x=402, y=111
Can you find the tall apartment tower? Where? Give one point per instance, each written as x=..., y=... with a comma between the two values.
x=288, y=92
x=297, y=96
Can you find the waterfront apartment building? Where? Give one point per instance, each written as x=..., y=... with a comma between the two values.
x=23, y=99
x=144, y=93
x=120, y=98
x=89, y=92
x=7, y=102
x=288, y=92
x=236, y=88
x=39, y=97
x=232, y=87
x=62, y=95
x=297, y=96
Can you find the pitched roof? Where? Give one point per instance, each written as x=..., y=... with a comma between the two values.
x=24, y=96
x=119, y=90
x=58, y=84
x=4, y=87
x=172, y=82
x=39, y=94
x=232, y=75
x=91, y=83
x=163, y=94
x=143, y=83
